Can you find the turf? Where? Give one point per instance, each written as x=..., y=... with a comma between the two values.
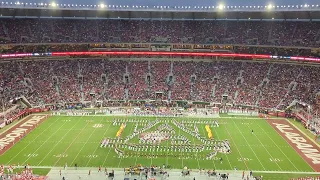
x=71, y=139
x=38, y=171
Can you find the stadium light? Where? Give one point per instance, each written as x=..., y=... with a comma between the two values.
x=269, y=6
x=101, y=5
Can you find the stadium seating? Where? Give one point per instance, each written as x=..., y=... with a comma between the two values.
x=243, y=83
x=274, y=33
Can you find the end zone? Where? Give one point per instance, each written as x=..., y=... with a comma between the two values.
x=307, y=149
x=18, y=131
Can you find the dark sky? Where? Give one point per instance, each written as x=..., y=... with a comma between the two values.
x=183, y=2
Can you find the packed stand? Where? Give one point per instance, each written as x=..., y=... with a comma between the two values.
x=73, y=81
x=202, y=32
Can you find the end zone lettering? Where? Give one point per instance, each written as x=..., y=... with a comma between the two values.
x=307, y=149
x=15, y=133
x=300, y=142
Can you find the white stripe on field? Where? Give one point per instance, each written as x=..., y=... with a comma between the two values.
x=104, y=134
x=278, y=146
x=263, y=147
x=84, y=143
x=52, y=148
x=22, y=150
x=249, y=146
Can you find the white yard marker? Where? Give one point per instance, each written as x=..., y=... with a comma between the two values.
x=278, y=146
x=264, y=148
x=130, y=132
x=104, y=134
x=22, y=150
x=84, y=143
x=52, y=148
x=236, y=147
x=249, y=145
x=221, y=139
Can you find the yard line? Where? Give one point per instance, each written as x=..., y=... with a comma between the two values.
x=203, y=130
x=110, y=147
x=194, y=142
x=32, y=141
x=135, y=162
x=278, y=146
x=167, y=152
x=180, y=152
x=45, y=141
x=263, y=146
x=52, y=148
x=98, y=144
x=106, y=156
x=249, y=145
x=221, y=139
x=130, y=132
x=85, y=143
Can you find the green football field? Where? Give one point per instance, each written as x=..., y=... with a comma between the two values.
x=76, y=139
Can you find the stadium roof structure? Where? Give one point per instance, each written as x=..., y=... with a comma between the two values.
x=43, y=10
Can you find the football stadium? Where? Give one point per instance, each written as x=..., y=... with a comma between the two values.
x=187, y=90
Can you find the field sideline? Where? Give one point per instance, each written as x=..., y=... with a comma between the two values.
x=71, y=139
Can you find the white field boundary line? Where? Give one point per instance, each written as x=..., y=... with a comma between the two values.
x=104, y=134
x=194, y=117
x=262, y=145
x=312, y=140
x=179, y=170
x=277, y=145
x=249, y=145
x=129, y=132
x=203, y=130
x=221, y=139
x=235, y=146
x=12, y=124
x=45, y=142
x=291, y=146
x=52, y=148
x=83, y=144
x=33, y=140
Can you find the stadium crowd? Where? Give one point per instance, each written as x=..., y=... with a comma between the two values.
x=275, y=33
x=14, y=173
x=268, y=85
x=243, y=83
